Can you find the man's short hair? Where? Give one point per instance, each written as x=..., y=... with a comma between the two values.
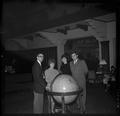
x=39, y=54
x=75, y=52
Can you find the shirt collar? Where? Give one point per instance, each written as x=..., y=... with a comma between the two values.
x=39, y=62
x=75, y=61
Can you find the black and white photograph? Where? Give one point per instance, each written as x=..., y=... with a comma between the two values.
x=59, y=58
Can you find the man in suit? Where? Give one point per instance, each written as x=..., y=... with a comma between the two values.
x=79, y=71
x=39, y=84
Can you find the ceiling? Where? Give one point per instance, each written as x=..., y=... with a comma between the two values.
x=21, y=18
x=106, y=18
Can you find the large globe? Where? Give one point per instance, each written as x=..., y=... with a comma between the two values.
x=63, y=84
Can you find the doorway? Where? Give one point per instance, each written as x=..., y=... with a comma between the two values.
x=88, y=48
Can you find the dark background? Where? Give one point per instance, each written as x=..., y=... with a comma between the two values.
x=22, y=61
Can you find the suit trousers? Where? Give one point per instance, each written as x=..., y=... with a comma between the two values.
x=38, y=103
x=82, y=99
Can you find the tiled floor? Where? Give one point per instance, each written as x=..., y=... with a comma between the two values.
x=98, y=101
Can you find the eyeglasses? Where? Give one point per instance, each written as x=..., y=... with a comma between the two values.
x=40, y=56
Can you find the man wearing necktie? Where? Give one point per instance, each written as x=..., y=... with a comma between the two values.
x=79, y=71
x=39, y=85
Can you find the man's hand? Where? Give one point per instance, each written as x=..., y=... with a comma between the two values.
x=48, y=87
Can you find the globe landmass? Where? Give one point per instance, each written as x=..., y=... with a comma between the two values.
x=63, y=84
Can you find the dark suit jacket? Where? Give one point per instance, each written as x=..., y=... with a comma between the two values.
x=38, y=81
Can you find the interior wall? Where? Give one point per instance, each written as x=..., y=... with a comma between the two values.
x=111, y=36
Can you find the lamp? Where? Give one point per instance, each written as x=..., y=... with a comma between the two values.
x=103, y=62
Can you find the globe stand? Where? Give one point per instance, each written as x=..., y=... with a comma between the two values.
x=62, y=94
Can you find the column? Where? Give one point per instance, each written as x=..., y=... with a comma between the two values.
x=60, y=52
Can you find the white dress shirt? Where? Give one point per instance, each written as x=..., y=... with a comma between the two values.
x=75, y=61
x=39, y=62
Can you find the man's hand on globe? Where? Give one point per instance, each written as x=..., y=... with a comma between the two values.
x=48, y=87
